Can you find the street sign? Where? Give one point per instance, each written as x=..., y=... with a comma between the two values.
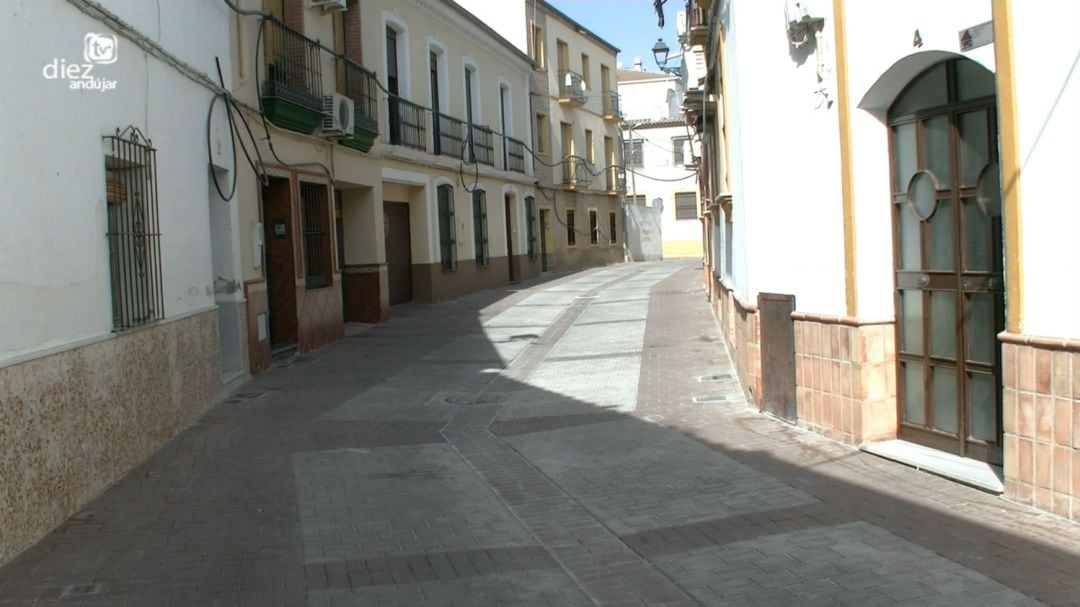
x=976, y=36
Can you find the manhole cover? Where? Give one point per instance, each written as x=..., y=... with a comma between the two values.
x=524, y=336
x=475, y=399
x=81, y=590
x=714, y=377
x=248, y=395
x=405, y=475
x=711, y=398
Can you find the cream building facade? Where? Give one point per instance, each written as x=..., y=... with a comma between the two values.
x=576, y=142
x=429, y=199
x=869, y=226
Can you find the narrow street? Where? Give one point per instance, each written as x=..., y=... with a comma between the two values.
x=576, y=441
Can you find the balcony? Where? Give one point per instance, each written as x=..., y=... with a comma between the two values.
x=571, y=88
x=291, y=95
x=515, y=154
x=482, y=145
x=408, y=124
x=616, y=180
x=697, y=25
x=361, y=87
x=611, y=106
x=449, y=135
x=577, y=174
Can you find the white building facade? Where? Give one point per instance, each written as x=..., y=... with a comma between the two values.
x=868, y=216
x=110, y=319
x=660, y=154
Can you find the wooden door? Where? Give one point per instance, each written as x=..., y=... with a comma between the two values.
x=398, y=251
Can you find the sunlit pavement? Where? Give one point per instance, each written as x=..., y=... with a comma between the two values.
x=535, y=446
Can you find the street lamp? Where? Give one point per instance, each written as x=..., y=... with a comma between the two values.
x=660, y=55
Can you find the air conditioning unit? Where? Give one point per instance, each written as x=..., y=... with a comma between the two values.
x=329, y=5
x=337, y=116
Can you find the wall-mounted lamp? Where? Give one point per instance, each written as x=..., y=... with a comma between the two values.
x=660, y=55
x=801, y=26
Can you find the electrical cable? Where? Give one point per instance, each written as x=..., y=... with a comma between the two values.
x=234, y=135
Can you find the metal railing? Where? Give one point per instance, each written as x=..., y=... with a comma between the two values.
x=515, y=154
x=293, y=65
x=611, y=104
x=408, y=125
x=695, y=17
x=571, y=86
x=362, y=87
x=616, y=179
x=482, y=144
x=133, y=231
x=576, y=172
x=449, y=135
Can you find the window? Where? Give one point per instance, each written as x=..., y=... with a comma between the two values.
x=480, y=228
x=594, y=227
x=686, y=205
x=537, y=49
x=633, y=155
x=133, y=235
x=585, y=71
x=612, y=227
x=571, y=234
x=638, y=200
x=447, y=240
x=543, y=132
x=590, y=153
x=530, y=225
x=678, y=145
x=564, y=55
x=315, y=221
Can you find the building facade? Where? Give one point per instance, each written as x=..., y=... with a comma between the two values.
x=575, y=115
x=430, y=198
x=660, y=153
x=879, y=263
x=110, y=318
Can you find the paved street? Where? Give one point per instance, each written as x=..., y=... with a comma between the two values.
x=537, y=446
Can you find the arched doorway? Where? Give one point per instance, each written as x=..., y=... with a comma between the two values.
x=947, y=236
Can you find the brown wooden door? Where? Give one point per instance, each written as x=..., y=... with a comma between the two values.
x=948, y=254
x=280, y=261
x=398, y=251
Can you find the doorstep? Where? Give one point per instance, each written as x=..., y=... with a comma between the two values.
x=961, y=469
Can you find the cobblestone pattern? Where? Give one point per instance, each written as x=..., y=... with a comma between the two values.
x=350, y=461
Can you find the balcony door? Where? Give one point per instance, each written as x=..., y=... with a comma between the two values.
x=392, y=84
x=948, y=260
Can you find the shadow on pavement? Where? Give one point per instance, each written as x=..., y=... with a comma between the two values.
x=532, y=447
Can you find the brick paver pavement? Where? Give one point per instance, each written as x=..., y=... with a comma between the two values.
x=535, y=446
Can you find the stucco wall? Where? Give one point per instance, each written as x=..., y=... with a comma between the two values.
x=1047, y=55
x=54, y=260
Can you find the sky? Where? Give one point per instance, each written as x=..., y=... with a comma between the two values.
x=630, y=25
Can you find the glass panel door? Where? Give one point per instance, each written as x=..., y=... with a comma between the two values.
x=948, y=258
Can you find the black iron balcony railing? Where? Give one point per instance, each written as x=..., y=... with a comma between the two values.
x=482, y=145
x=292, y=88
x=611, y=105
x=616, y=179
x=576, y=173
x=571, y=87
x=408, y=124
x=361, y=87
x=449, y=135
x=515, y=154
